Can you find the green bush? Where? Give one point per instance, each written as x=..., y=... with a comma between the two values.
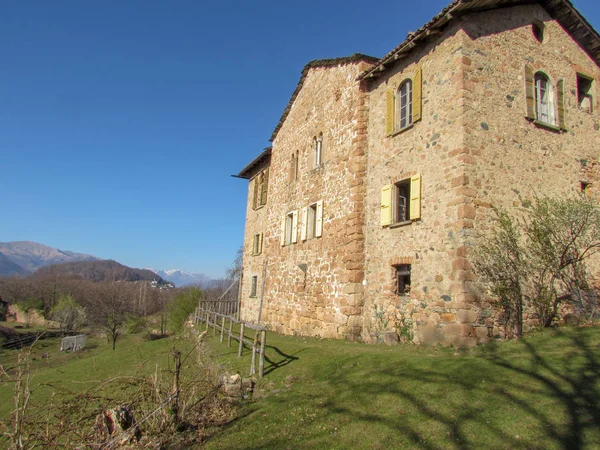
x=183, y=304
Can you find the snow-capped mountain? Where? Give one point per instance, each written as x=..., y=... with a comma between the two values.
x=182, y=278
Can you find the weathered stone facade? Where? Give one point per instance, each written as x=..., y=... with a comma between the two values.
x=471, y=147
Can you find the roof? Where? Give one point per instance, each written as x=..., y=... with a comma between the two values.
x=246, y=172
x=318, y=63
x=562, y=11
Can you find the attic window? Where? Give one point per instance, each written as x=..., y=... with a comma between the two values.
x=537, y=29
x=584, y=93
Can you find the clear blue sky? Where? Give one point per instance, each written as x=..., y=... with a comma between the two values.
x=122, y=121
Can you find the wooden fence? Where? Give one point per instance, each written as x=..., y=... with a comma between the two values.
x=225, y=307
x=224, y=323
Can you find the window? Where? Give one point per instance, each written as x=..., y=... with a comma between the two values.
x=261, y=186
x=584, y=93
x=253, y=286
x=537, y=28
x=402, y=278
x=401, y=205
x=312, y=221
x=289, y=228
x=404, y=105
x=257, y=241
x=585, y=188
x=545, y=103
x=318, y=150
x=401, y=202
x=544, y=99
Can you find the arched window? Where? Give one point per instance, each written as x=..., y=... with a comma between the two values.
x=544, y=99
x=404, y=105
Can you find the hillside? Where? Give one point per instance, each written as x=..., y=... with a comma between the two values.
x=26, y=257
x=8, y=267
x=105, y=270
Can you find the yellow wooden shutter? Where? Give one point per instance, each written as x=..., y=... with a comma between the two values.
x=265, y=187
x=295, y=227
x=386, y=205
x=417, y=95
x=283, y=220
x=415, y=197
x=260, y=243
x=529, y=92
x=304, y=225
x=389, y=113
x=560, y=103
x=255, y=198
x=319, y=219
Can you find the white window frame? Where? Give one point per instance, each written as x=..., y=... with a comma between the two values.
x=545, y=107
x=319, y=150
x=404, y=105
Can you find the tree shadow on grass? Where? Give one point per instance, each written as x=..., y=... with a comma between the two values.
x=510, y=397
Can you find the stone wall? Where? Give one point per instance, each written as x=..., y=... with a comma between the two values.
x=314, y=287
x=474, y=149
x=435, y=244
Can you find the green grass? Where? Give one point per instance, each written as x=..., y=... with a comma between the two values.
x=67, y=373
x=539, y=393
x=542, y=392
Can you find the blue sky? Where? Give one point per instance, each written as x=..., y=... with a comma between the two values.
x=121, y=122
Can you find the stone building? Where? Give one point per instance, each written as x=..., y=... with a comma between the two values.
x=361, y=213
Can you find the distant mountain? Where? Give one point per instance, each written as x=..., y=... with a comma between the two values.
x=105, y=270
x=7, y=267
x=182, y=278
x=29, y=256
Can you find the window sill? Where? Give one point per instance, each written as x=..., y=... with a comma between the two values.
x=259, y=207
x=402, y=130
x=252, y=296
x=546, y=126
x=401, y=224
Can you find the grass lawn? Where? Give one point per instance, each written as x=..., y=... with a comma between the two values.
x=542, y=392
x=66, y=373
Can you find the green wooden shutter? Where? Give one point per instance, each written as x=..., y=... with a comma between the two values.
x=560, y=103
x=529, y=92
x=389, y=113
x=417, y=95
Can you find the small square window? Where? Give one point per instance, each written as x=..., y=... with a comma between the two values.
x=402, y=278
x=584, y=93
x=253, y=286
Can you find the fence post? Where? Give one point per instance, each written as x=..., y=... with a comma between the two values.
x=207, y=321
x=222, y=327
x=214, y=324
x=261, y=361
x=241, y=340
x=253, y=362
x=229, y=332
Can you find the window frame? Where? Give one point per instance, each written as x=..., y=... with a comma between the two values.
x=318, y=151
x=403, y=277
x=404, y=105
x=253, y=286
x=585, y=94
x=545, y=102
